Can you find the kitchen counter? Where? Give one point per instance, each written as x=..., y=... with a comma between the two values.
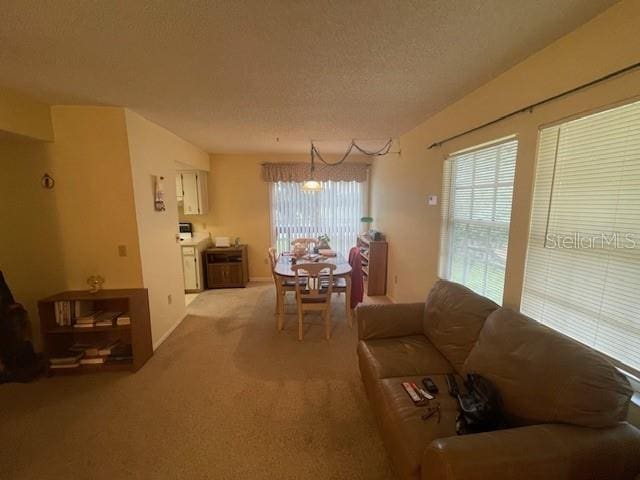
x=199, y=238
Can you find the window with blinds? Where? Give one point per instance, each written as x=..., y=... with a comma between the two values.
x=582, y=272
x=335, y=211
x=478, y=188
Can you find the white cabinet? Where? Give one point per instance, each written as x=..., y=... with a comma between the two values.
x=195, y=197
x=191, y=268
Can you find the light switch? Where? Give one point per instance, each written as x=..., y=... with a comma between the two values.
x=432, y=200
x=122, y=250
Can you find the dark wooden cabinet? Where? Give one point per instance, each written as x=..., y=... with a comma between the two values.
x=227, y=267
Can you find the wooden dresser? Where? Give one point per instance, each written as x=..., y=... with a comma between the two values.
x=374, y=265
x=226, y=267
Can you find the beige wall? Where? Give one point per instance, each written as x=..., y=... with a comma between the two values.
x=400, y=184
x=94, y=196
x=30, y=241
x=153, y=152
x=239, y=205
x=22, y=115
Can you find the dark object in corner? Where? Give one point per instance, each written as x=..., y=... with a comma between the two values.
x=480, y=407
x=18, y=361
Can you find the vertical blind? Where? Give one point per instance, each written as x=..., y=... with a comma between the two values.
x=582, y=273
x=334, y=211
x=478, y=188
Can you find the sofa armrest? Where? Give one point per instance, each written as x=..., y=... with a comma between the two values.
x=550, y=451
x=392, y=320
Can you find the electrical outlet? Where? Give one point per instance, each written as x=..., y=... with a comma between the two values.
x=169, y=299
x=395, y=279
x=122, y=250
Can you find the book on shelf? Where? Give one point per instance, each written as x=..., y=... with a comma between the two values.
x=108, y=348
x=92, y=360
x=79, y=347
x=120, y=352
x=72, y=357
x=105, y=319
x=64, y=365
x=123, y=320
x=66, y=311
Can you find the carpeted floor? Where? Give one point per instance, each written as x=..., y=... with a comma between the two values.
x=226, y=396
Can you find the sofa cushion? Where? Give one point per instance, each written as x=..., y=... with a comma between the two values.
x=401, y=356
x=546, y=377
x=405, y=434
x=453, y=318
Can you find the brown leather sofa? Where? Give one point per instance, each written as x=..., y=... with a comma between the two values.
x=565, y=402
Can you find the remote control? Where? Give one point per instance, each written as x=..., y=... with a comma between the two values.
x=412, y=393
x=429, y=385
x=425, y=394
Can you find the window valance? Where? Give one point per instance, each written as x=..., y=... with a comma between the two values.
x=301, y=171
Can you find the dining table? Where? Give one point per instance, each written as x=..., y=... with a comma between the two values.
x=342, y=270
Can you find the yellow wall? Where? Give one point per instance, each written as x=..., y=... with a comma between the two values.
x=22, y=115
x=153, y=152
x=30, y=240
x=400, y=184
x=239, y=205
x=94, y=196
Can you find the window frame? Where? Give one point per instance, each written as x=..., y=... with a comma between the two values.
x=449, y=204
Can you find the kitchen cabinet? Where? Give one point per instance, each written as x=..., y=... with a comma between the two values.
x=192, y=262
x=193, y=192
x=227, y=267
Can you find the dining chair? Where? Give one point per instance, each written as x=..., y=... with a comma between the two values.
x=282, y=287
x=312, y=294
x=308, y=242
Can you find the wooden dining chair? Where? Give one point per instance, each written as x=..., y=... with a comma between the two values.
x=308, y=242
x=282, y=287
x=312, y=294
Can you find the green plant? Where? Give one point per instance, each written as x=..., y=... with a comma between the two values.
x=324, y=238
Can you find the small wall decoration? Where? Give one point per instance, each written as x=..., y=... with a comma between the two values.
x=159, y=195
x=47, y=181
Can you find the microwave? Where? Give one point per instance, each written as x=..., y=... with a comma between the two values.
x=185, y=230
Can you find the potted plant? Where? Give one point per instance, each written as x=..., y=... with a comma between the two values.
x=367, y=221
x=323, y=242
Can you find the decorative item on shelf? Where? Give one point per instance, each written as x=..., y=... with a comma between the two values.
x=367, y=222
x=237, y=242
x=313, y=185
x=159, y=195
x=95, y=282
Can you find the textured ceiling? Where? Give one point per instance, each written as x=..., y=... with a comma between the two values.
x=232, y=76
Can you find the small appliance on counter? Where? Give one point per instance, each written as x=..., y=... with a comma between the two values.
x=185, y=230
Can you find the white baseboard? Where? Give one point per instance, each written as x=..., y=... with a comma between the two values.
x=260, y=279
x=167, y=333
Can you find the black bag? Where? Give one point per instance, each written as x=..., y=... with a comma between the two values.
x=480, y=407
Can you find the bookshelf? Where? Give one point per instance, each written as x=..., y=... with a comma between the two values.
x=57, y=340
x=374, y=265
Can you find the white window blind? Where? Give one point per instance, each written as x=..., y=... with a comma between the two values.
x=335, y=211
x=478, y=188
x=582, y=273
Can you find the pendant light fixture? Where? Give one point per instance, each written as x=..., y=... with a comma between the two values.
x=313, y=185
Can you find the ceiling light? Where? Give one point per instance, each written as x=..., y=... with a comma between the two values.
x=311, y=186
